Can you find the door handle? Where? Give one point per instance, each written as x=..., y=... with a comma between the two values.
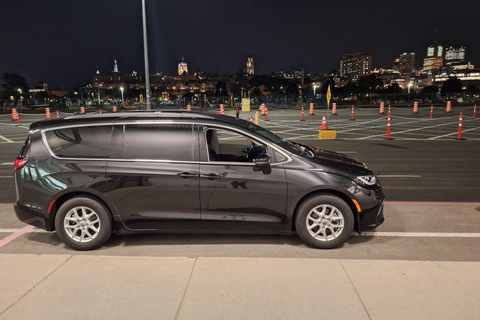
x=211, y=176
x=188, y=175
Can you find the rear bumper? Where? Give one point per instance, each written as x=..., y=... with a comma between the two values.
x=32, y=217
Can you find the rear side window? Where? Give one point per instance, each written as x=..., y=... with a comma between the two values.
x=159, y=142
x=80, y=142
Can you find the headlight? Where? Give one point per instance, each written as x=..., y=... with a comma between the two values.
x=369, y=180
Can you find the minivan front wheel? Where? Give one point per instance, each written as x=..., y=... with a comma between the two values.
x=324, y=221
x=82, y=223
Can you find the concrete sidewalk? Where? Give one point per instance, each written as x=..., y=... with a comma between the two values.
x=83, y=287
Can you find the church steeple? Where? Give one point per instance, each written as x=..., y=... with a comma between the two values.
x=115, y=67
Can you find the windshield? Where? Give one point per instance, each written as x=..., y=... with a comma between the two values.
x=285, y=144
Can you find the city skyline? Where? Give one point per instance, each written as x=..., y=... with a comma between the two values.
x=63, y=43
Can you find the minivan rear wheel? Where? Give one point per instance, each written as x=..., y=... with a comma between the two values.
x=324, y=221
x=83, y=223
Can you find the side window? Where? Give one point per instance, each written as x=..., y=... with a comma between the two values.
x=80, y=142
x=159, y=142
x=225, y=145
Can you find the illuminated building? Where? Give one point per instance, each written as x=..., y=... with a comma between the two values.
x=434, y=59
x=405, y=63
x=355, y=65
x=182, y=68
x=250, y=66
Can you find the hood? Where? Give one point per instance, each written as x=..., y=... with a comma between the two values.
x=340, y=163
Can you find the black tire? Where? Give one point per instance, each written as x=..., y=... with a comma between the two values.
x=83, y=223
x=324, y=221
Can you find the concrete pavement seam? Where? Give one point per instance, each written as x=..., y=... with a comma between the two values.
x=186, y=288
x=354, y=288
x=36, y=285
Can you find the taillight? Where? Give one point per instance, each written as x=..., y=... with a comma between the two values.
x=20, y=162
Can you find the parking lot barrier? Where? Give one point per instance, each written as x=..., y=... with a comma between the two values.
x=449, y=107
x=382, y=108
x=460, y=120
x=388, y=126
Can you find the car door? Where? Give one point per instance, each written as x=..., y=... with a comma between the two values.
x=234, y=194
x=153, y=179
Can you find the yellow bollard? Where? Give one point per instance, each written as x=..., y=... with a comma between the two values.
x=257, y=118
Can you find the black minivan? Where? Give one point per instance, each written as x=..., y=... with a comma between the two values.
x=90, y=175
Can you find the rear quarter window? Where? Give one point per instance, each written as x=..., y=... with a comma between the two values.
x=80, y=142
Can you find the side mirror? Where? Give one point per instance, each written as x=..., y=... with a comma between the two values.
x=262, y=162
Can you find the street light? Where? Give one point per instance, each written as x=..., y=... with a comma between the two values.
x=121, y=89
x=314, y=89
x=145, y=54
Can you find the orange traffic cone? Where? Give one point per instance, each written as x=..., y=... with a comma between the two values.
x=189, y=108
x=382, y=108
x=49, y=116
x=449, y=106
x=82, y=109
x=303, y=115
x=14, y=114
x=324, y=123
x=334, y=109
x=263, y=109
x=114, y=108
x=415, y=107
x=311, y=110
x=222, y=109
x=58, y=114
x=251, y=117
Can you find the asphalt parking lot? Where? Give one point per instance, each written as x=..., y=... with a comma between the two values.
x=422, y=263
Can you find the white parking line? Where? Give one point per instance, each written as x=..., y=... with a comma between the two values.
x=5, y=139
x=420, y=234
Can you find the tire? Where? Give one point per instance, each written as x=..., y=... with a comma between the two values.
x=324, y=221
x=83, y=223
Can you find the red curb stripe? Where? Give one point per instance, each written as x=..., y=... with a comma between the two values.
x=15, y=235
x=434, y=203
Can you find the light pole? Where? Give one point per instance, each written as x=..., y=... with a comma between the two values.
x=314, y=90
x=121, y=90
x=145, y=54
x=19, y=98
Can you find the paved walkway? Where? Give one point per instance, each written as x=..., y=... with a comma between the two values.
x=83, y=287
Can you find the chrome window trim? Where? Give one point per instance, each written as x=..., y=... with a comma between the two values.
x=166, y=121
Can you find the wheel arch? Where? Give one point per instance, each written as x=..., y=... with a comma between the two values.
x=65, y=197
x=348, y=200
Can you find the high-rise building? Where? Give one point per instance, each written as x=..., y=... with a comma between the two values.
x=434, y=59
x=454, y=55
x=405, y=63
x=355, y=65
x=182, y=67
x=250, y=66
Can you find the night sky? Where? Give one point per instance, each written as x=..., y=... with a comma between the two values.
x=62, y=42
